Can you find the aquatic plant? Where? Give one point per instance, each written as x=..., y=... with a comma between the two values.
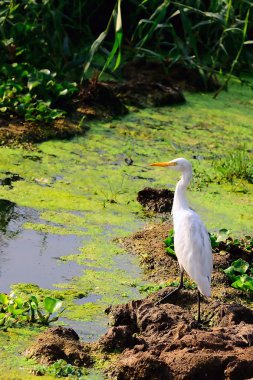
x=223, y=242
x=240, y=274
x=60, y=368
x=16, y=311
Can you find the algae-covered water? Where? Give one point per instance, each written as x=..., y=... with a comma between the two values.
x=64, y=203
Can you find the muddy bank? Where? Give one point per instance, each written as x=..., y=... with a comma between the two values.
x=157, y=84
x=149, y=341
x=93, y=101
x=164, y=342
x=59, y=343
x=143, y=84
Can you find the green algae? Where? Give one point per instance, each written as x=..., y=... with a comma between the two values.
x=13, y=365
x=85, y=187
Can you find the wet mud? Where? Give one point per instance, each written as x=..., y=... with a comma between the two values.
x=165, y=342
x=156, y=200
x=59, y=343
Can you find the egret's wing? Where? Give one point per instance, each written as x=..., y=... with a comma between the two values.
x=193, y=249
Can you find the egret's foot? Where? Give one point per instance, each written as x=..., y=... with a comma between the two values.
x=180, y=286
x=162, y=300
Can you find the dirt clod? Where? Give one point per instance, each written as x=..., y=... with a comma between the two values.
x=171, y=345
x=59, y=343
x=157, y=200
x=168, y=336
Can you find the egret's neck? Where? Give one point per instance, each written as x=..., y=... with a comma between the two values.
x=180, y=201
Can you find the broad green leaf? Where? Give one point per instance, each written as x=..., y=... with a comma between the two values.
x=240, y=266
x=4, y=299
x=244, y=282
x=17, y=312
x=45, y=71
x=63, y=92
x=52, y=305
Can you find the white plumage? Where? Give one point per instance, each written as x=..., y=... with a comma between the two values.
x=191, y=239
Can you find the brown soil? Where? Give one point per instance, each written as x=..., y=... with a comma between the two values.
x=157, y=200
x=164, y=342
x=17, y=131
x=149, y=245
x=177, y=75
x=59, y=343
x=160, y=267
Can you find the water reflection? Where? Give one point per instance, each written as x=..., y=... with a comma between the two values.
x=28, y=256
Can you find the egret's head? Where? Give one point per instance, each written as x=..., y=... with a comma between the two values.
x=180, y=164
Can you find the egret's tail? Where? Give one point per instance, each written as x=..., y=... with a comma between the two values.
x=204, y=286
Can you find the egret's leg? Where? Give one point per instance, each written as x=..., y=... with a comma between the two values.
x=199, y=319
x=181, y=284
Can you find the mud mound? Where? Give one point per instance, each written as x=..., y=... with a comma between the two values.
x=157, y=200
x=145, y=93
x=157, y=84
x=97, y=99
x=168, y=344
x=149, y=244
x=59, y=343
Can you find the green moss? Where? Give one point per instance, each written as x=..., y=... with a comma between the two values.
x=13, y=364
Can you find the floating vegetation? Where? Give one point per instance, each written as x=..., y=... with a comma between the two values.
x=16, y=311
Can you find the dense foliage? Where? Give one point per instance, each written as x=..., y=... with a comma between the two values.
x=16, y=311
x=72, y=38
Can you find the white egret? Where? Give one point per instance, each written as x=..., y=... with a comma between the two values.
x=191, y=240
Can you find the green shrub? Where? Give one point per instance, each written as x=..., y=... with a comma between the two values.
x=31, y=93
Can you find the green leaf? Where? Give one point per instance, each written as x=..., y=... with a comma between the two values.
x=244, y=282
x=4, y=299
x=94, y=48
x=223, y=235
x=171, y=252
x=240, y=266
x=169, y=240
x=63, y=92
x=214, y=242
x=32, y=84
x=52, y=305
x=45, y=71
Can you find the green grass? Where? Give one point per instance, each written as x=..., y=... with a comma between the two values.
x=236, y=165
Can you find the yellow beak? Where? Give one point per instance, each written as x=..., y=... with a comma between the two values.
x=170, y=163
